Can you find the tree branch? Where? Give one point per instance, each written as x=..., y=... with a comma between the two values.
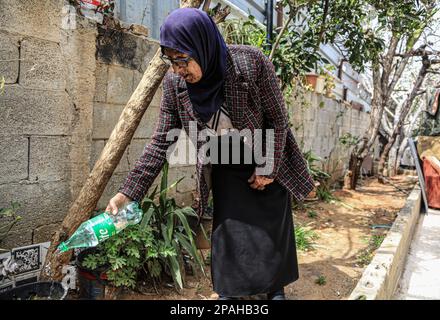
x=206, y=5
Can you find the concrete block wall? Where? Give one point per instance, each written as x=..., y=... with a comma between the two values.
x=318, y=125
x=122, y=59
x=43, y=119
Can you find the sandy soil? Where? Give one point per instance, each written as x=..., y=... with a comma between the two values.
x=341, y=251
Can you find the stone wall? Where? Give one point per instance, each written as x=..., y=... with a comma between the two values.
x=318, y=124
x=67, y=82
x=46, y=113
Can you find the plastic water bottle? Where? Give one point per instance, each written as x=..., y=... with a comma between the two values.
x=102, y=227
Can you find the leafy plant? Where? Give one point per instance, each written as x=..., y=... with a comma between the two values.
x=316, y=173
x=155, y=246
x=348, y=140
x=329, y=80
x=321, y=280
x=323, y=192
x=376, y=240
x=8, y=218
x=366, y=255
x=312, y=214
x=304, y=237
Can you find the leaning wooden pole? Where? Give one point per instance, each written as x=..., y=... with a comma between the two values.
x=95, y=184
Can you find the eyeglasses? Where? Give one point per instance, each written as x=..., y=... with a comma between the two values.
x=179, y=62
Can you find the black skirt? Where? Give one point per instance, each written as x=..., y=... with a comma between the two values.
x=253, y=245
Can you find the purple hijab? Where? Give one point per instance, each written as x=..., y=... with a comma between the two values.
x=192, y=31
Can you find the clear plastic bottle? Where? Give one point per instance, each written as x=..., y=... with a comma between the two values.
x=102, y=227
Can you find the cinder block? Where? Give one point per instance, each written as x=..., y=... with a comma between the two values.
x=125, y=49
x=145, y=51
x=13, y=159
x=120, y=84
x=43, y=66
x=184, y=199
x=9, y=57
x=36, y=18
x=39, y=112
x=101, y=73
x=155, y=102
x=105, y=117
x=45, y=232
x=111, y=189
x=17, y=237
x=135, y=150
x=49, y=158
x=188, y=174
x=148, y=123
x=97, y=147
x=40, y=203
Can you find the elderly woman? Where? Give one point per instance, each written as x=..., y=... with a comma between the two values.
x=223, y=90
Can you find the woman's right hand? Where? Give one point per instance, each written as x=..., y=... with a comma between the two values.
x=116, y=202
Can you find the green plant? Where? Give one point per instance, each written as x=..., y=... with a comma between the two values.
x=316, y=173
x=155, y=246
x=348, y=140
x=376, y=240
x=8, y=218
x=329, y=80
x=366, y=255
x=323, y=192
x=304, y=237
x=312, y=214
x=321, y=280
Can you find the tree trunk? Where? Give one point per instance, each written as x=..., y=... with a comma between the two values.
x=392, y=166
x=383, y=85
x=407, y=133
x=405, y=110
x=119, y=139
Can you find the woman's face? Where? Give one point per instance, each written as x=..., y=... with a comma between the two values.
x=192, y=73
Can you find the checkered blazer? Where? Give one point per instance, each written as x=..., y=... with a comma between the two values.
x=254, y=101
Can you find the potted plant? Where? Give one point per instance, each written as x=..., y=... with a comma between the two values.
x=154, y=248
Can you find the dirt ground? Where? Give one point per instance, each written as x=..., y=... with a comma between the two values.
x=341, y=251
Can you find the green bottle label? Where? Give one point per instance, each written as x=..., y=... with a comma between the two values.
x=103, y=226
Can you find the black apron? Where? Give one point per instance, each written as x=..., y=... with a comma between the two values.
x=253, y=245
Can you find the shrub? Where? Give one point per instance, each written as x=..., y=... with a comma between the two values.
x=155, y=246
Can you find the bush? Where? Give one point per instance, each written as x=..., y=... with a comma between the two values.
x=155, y=246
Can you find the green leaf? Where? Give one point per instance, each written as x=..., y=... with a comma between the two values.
x=192, y=250
x=163, y=186
x=117, y=262
x=146, y=218
x=175, y=271
x=133, y=251
x=154, y=267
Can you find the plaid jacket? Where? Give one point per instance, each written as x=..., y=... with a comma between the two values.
x=254, y=101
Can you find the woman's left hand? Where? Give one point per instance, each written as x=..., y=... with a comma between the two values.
x=259, y=182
